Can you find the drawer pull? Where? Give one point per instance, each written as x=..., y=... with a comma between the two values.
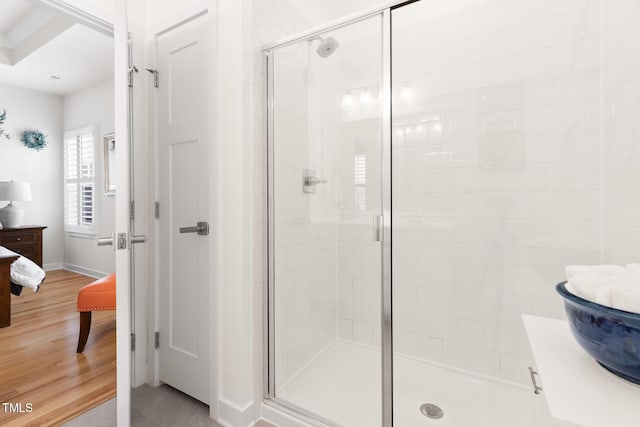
x=536, y=388
x=18, y=239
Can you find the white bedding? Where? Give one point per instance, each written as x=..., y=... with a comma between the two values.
x=24, y=272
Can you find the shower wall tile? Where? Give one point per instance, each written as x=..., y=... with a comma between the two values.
x=508, y=191
x=484, y=361
x=621, y=90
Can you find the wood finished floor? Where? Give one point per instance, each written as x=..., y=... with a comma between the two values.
x=38, y=360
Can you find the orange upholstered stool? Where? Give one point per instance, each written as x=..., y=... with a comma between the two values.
x=99, y=295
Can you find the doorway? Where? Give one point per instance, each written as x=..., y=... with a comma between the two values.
x=57, y=85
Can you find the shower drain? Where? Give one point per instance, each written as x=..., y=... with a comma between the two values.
x=431, y=411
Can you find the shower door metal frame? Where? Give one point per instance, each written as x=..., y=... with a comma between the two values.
x=386, y=288
x=269, y=392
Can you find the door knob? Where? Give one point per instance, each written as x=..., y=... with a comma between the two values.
x=202, y=228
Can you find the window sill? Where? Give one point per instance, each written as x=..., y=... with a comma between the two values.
x=77, y=235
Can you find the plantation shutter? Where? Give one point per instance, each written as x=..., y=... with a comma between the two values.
x=79, y=155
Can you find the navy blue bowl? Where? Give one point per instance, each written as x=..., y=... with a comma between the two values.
x=611, y=336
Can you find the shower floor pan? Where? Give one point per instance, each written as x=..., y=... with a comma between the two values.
x=342, y=384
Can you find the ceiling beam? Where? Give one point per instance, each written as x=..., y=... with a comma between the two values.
x=6, y=56
x=41, y=36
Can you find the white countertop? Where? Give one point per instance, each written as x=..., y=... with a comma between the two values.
x=579, y=392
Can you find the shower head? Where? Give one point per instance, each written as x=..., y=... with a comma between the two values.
x=327, y=46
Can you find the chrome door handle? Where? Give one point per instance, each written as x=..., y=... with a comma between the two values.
x=309, y=181
x=105, y=241
x=312, y=180
x=202, y=228
x=137, y=239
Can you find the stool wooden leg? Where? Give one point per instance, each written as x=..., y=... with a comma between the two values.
x=85, y=326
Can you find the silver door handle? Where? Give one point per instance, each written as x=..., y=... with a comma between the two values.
x=312, y=180
x=105, y=241
x=138, y=239
x=202, y=228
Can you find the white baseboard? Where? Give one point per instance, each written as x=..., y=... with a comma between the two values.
x=53, y=266
x=86, y=271
x=231, y=415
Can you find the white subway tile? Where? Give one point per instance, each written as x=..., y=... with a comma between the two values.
x=456, y=354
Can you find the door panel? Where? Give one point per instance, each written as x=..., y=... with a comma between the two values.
x=183, y=286
x=183, y=194
x=325, y=213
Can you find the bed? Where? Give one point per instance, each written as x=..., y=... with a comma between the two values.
x=16, y=272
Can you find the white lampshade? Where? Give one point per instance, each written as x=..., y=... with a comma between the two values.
x=15, y=191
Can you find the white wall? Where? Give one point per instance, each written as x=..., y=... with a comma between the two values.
x=28, y=109
x=239, y=348
x=93, y=106
x=157, y=11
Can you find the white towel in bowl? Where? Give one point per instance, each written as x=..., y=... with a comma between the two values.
x=592, y=288
x=625, y=294
x=611, y=285
x=603, y=271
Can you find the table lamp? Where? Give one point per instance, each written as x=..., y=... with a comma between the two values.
x=11, y=215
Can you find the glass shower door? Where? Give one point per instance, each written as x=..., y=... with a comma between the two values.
x=497, y=186
x=325, y=207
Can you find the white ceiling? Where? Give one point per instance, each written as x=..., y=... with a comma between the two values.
x=37, y=43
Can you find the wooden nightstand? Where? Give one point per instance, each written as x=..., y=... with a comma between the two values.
x=25, y=240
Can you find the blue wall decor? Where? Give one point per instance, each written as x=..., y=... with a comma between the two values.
x=3, y=133
x=34, y=139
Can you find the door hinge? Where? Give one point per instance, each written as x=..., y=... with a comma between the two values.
x=133, y=342
x=156, y=210
x=132, y=69
x=157, y=340
x=132, y=210
x=156, y=77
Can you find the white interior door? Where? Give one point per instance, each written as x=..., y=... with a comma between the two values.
x=122, y=223
x=183, y=186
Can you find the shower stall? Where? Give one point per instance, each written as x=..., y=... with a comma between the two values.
x=432, y=167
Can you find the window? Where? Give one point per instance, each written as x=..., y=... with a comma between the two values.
x=79, y=181
x=360, y=181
